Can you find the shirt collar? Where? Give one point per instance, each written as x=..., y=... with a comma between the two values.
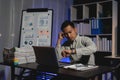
x=76, y=39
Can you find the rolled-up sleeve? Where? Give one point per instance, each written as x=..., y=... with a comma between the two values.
x=59, y=49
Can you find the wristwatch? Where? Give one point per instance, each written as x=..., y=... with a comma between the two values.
x=73, y=51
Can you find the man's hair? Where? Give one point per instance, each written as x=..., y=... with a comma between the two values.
x=67, y=23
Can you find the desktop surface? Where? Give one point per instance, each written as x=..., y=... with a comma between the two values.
x=68, y=72
x=113, y=57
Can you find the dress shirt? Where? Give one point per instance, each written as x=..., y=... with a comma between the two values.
x=83, y=46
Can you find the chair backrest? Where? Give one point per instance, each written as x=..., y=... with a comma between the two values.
x=84, y=59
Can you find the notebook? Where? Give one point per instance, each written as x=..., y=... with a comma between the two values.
x=47, y=56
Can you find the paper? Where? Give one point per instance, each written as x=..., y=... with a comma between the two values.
x=80, y=67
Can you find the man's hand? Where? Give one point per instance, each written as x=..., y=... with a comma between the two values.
x=66, y=53
x=60, y=36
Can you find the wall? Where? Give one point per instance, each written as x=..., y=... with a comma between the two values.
x=10, y=20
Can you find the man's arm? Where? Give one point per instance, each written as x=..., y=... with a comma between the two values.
x=59, y=49
x=88, y=48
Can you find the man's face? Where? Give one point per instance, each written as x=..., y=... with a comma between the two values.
x=70, y=32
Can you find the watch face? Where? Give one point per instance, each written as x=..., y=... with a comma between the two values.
x=72, y=51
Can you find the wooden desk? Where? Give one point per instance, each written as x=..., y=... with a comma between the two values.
x=113, y=57
x=115, y=62
x=84, y=75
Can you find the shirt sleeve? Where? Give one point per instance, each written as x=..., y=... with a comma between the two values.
x=59, y=49
x=88, y=47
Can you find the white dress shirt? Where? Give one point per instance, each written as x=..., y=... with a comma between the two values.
x=83, y=46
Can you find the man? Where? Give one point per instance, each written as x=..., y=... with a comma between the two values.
x=76, y=46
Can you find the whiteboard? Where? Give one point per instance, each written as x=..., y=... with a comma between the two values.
x=36, y=28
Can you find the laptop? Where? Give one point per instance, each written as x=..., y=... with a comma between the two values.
x=47, y=56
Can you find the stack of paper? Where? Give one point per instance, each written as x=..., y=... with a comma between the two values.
x=24, y=55
x=80, y=67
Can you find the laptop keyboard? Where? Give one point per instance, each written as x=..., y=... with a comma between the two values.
x=63, y=64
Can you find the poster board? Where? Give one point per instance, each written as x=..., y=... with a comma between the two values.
x=36, y=27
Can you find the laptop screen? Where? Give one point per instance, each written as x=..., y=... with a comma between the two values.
x=45, y=55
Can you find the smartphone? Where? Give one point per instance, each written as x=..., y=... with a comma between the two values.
x=63, y=35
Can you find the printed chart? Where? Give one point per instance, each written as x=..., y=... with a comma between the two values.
x=36, y=28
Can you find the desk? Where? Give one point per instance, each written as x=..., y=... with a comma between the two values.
x=115, y=62
x=113, y=57
x=84, y=75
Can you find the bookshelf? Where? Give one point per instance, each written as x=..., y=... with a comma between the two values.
x=98, y=20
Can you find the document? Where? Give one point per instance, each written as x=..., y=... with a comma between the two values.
x=80, y=67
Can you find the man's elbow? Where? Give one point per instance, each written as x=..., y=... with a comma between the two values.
x=94, y=49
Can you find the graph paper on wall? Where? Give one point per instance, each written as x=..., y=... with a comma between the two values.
x=36, y=27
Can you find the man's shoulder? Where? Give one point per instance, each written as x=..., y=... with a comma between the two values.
x=83, y=36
